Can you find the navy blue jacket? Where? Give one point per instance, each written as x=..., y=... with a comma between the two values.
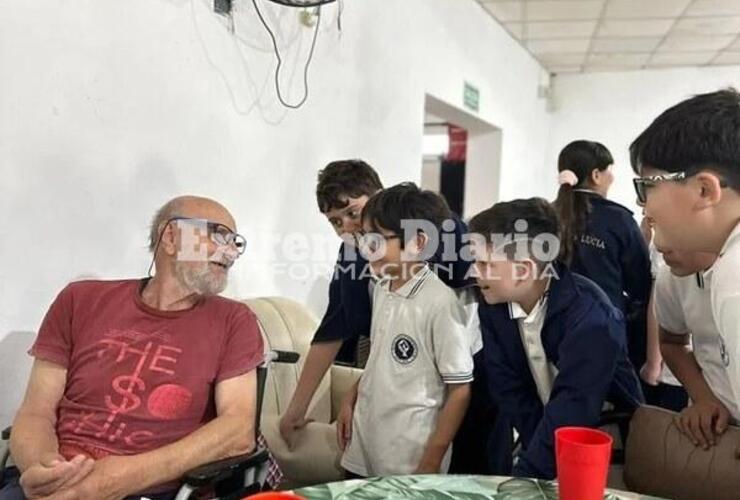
x=613, y=254
x=584, y=337
x=349, y=311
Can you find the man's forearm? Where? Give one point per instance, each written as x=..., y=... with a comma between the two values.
x=319, y=359
x=224, y=437
x=683, y=364
x=32, y=437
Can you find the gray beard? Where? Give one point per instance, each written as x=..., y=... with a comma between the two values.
x=198, y=278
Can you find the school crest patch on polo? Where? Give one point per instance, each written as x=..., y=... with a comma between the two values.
x=404, y=349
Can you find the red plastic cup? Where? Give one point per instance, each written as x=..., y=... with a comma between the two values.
x=582, y=457
x=274, y=495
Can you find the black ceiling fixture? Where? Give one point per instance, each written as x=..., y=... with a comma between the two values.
x=302, y=3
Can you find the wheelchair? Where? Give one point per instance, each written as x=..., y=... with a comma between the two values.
x=228, y=479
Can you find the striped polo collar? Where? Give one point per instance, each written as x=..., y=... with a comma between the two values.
x=412, y=286
x=732, y=239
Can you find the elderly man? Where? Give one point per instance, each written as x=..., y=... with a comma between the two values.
x=137, y=381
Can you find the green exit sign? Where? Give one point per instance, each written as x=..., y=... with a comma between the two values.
x=471, y=97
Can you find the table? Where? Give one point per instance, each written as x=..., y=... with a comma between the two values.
x=445, y=487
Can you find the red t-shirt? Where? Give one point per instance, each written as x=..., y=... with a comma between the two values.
x=139, y=378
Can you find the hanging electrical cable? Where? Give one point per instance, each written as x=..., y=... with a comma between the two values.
x=292, y=3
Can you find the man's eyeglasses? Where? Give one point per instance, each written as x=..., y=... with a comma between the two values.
x=219, y=233
x=371, y=242
x=643, y=184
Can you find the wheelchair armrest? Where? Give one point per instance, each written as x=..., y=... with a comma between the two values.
x=6, y=433
x=221, y=469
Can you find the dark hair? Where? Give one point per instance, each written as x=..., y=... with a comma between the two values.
x=700, y=132
x=405, y=201
x=345, y=178
x=582, y=158
x=503, y=218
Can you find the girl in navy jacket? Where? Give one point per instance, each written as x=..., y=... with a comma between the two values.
x=601, y=238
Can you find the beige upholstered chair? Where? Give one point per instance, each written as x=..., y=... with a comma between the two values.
x=289, y=326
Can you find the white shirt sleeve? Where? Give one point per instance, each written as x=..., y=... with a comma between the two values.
x=668, y=309
x=469, y=302
x=452, y=343
x=726, y=312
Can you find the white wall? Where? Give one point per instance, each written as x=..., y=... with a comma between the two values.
x=431, y=170
x=482, y=172
x=613, y=108
x=109, y=108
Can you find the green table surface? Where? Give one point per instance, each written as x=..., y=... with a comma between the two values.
x=445, y=487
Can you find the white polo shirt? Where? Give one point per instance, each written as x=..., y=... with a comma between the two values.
x=725, y=295
x=420, y=341
x=656, y=263
x=685, y=305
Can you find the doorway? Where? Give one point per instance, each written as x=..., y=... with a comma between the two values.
x=461, y=157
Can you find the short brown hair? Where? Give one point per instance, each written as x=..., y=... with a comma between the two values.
x=345, y=178
x=502, y=219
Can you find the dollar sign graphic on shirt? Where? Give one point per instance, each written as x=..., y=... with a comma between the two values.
x=125, y=386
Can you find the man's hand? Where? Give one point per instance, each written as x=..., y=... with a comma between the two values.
x=289, y=425
x=101, y=484
x=703, y=422
x=650, y=373
x=344, y=420
x=52, y=473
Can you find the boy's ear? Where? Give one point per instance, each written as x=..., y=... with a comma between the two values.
x=710, y=189
x=420, y=242
x=524, y=269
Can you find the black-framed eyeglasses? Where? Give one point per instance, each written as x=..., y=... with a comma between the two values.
x=371, y=242
x=220, y=234
x=642, y=184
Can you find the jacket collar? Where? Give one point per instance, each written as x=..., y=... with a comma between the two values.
x=562, y=290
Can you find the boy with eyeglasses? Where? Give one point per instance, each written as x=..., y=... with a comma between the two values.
x=402, y=415
x=688, y=161
x=343, y=188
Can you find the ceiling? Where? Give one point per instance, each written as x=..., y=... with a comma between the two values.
x=574, y=36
